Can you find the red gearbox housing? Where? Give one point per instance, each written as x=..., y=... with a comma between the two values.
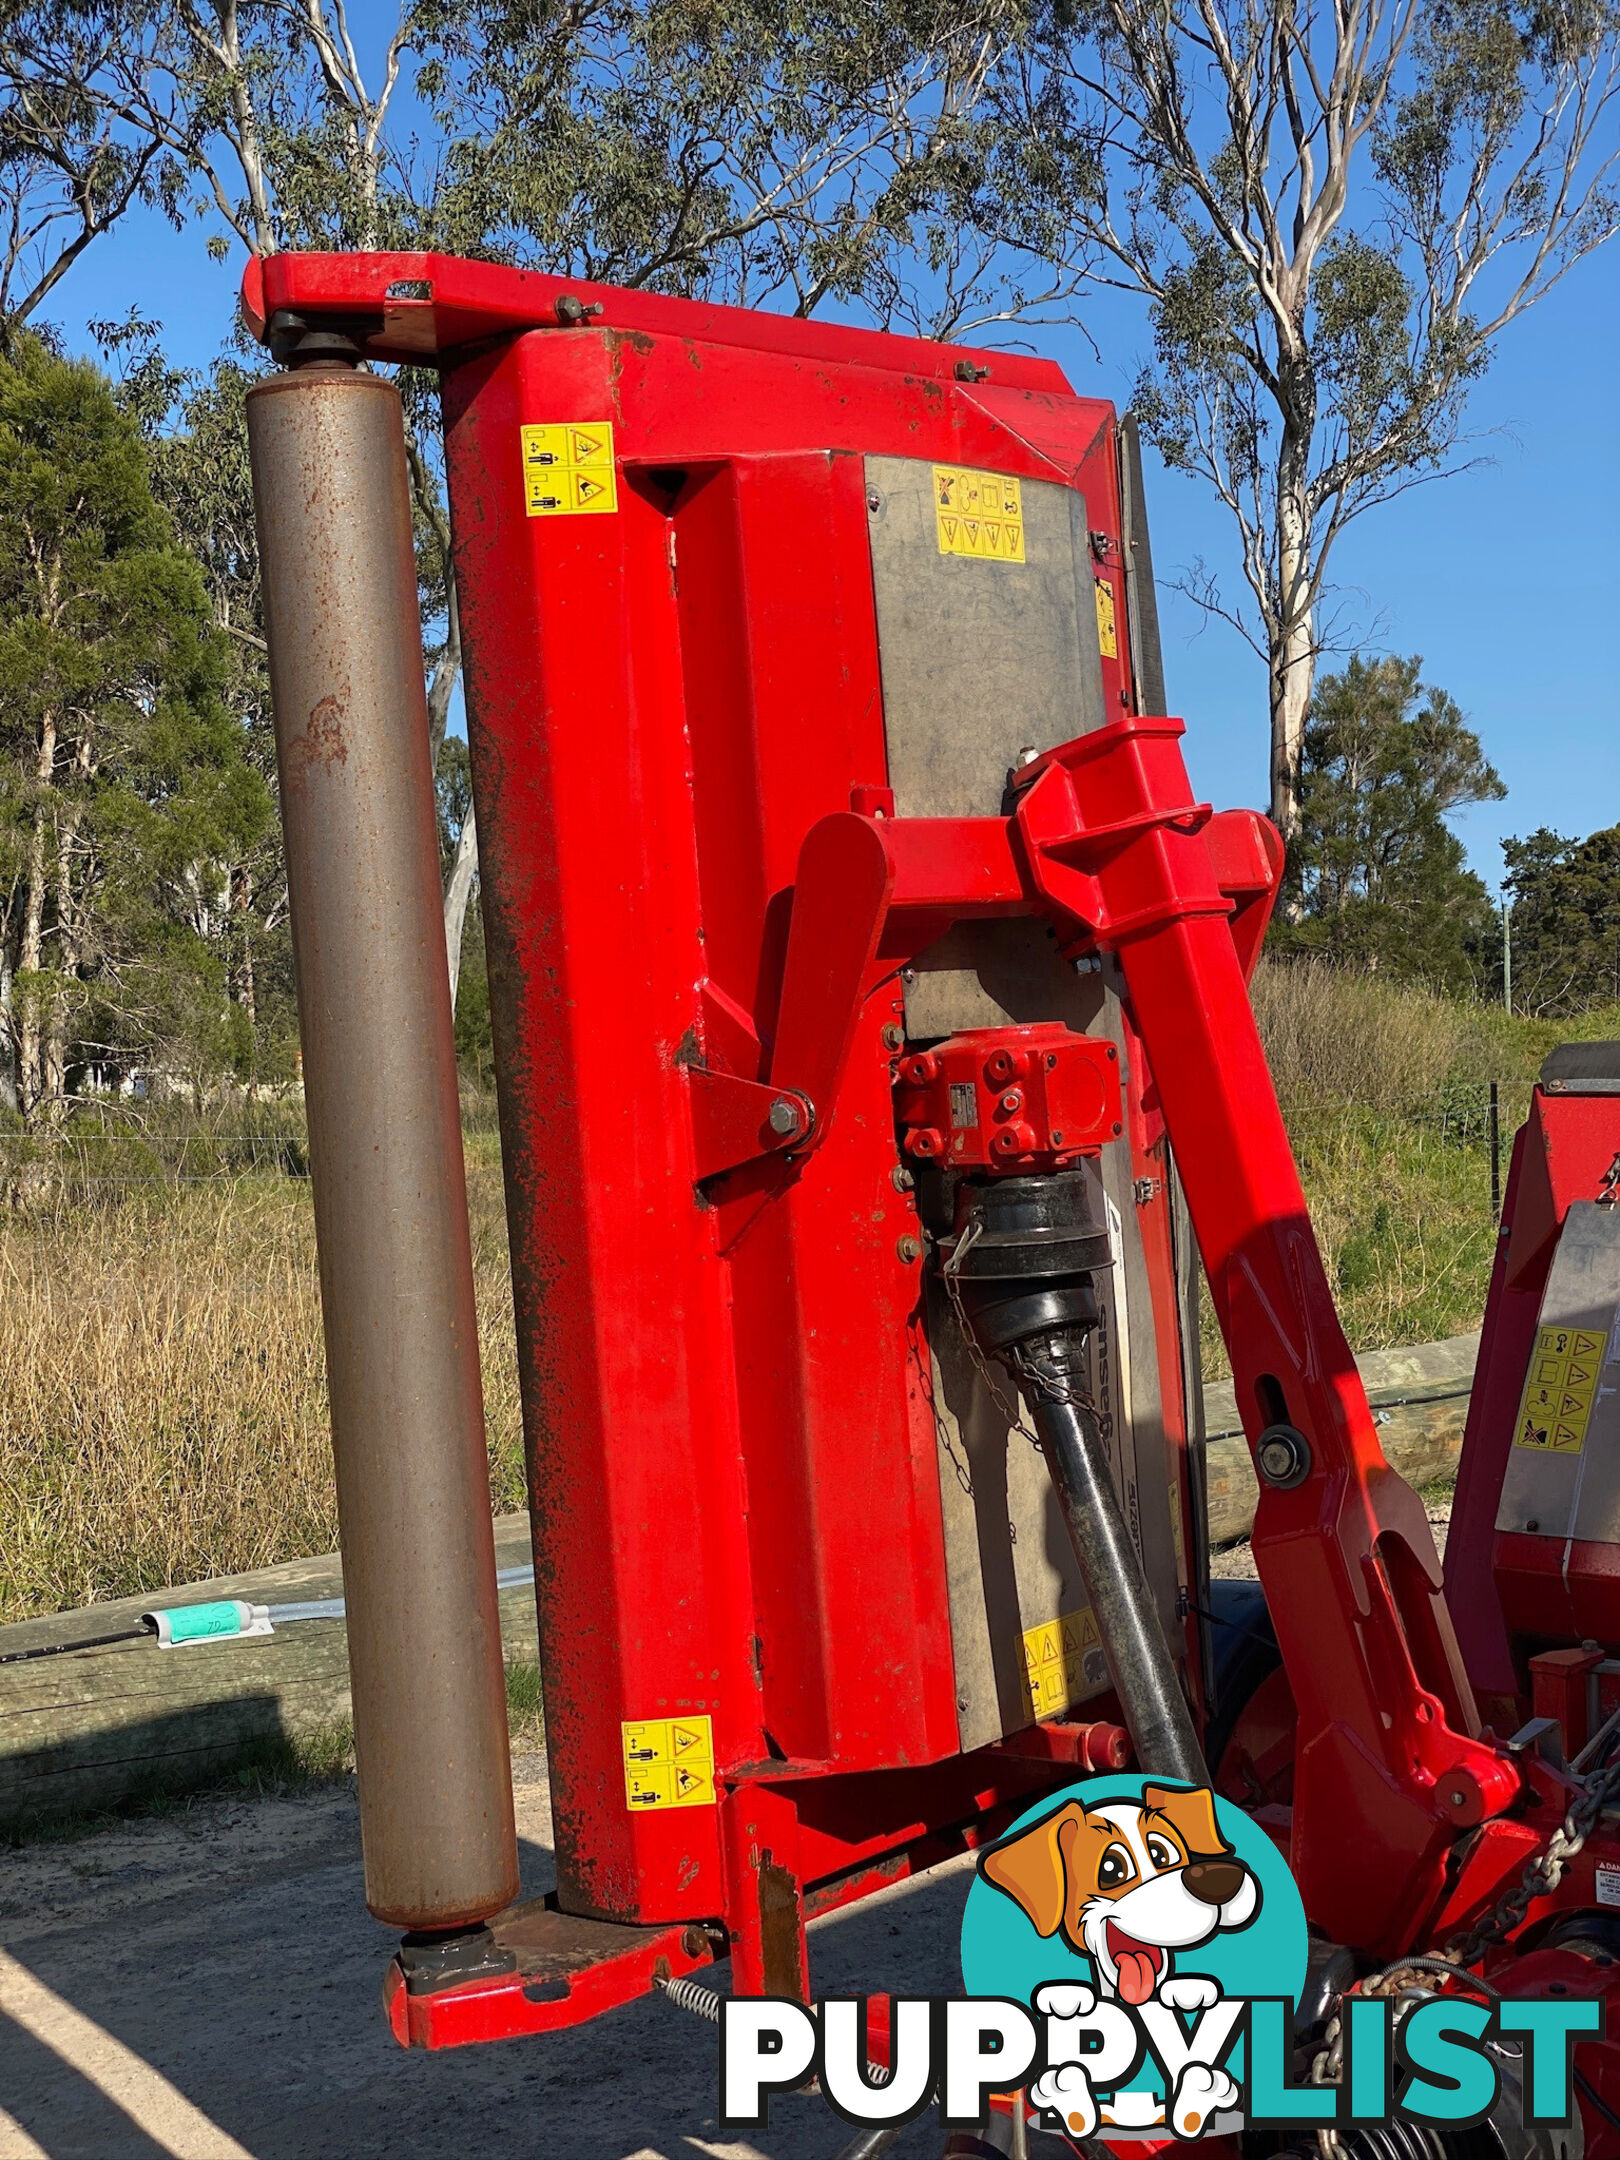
x=1020, y=1098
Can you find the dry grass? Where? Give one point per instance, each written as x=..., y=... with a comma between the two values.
x=1334, y=1037
x=162, y=1384
x=162, y=1398
x=1385, y=1090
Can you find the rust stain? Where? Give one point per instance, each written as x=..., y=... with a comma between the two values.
x=323, y=741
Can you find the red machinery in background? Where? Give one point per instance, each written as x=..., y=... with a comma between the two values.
x=868, y=990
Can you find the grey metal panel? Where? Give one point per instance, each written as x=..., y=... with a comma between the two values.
x=1569, y=1486
x=980, y=659
x=1189, y=1288
x=1141, y=593
x=1009, y=1563
x=1582, y=1068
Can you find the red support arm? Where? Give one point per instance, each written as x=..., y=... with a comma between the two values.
x=1107, y=838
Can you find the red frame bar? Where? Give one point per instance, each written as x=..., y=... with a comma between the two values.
x=810, y=1421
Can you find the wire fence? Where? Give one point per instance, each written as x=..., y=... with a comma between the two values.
x=95, y=1161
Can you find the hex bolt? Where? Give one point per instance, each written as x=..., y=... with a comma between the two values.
x=901, y=1179
x=894, y=1038
x=1276, y=1459
x=908, y=1249
x=1283, y=1457
x=784, y=1116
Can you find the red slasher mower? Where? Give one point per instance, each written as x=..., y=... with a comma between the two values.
x=875, y=1065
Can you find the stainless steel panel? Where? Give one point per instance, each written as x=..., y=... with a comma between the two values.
x=982, y=660
x=1563, y=1473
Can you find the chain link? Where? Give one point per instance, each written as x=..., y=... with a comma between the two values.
x=1032, y=1379
x=1609, y=1190
x=1544, y=1873
x=1012, y=1411
x=1415, y=1975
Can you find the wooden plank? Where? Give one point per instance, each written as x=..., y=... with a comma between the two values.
x=1419, y=1397
x=95, y=1728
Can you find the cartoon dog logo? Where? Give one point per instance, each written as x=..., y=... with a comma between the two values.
x=1127, y=1884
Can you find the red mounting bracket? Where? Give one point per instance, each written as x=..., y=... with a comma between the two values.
x=872, y=886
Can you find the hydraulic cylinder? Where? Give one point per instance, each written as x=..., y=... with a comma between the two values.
x=341, y=614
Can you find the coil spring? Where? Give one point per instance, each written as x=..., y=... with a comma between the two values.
x=703, y=2002
x=692, y=1995
x=1397, y=2140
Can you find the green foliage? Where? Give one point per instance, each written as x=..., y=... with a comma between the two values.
x=124, y=793
x=1329, y=214
x=740, y=149
x=1566, y=920
x=196, y=432
x=1375, y=877
x=453, y=790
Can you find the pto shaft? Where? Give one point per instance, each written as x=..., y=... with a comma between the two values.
x=1024, y=1254
x=334, y=523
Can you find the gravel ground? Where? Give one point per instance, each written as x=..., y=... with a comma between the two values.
x=1236, y=1562
x=206, y=1986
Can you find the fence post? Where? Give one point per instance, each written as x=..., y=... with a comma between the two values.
x=1496, y=1158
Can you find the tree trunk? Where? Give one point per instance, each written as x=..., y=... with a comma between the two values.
x=31, y=945
x=30, y=953
x=1293, y=636
x=457, y=893
x=70, y=950
x=8, y=1041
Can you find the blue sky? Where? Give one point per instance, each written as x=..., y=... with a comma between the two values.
x=1502, y=578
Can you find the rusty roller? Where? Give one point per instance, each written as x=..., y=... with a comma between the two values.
x=334, y=523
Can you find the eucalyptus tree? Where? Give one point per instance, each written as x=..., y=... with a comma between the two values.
x=124, y=795
x=1332, y=208
x=767, y=151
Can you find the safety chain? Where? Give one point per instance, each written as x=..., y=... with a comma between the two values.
x=1030, y=1379
x=1609, y=1191
x=951, y=1271
x=1405, y=1980
x=1544, y=1872
x=1406, y=1976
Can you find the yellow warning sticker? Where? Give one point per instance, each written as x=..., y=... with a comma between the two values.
x=1559, y=1390
x=1107, y=627
x=568, y=468
x=668, y=1763
x=979, y=514
x=1063, y=1662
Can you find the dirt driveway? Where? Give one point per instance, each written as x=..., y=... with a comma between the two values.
x=206, y=1986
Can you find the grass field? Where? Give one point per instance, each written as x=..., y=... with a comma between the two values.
x=162, y=1408
x=162, y=1382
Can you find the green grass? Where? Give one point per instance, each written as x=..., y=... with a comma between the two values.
x=1385, y=1091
